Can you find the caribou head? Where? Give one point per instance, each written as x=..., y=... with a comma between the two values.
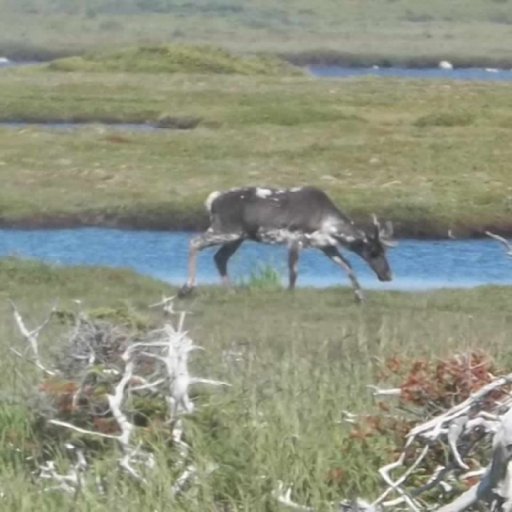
x=372, y=248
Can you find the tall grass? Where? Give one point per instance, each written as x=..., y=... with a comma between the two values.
x=264, y=277
x=294, y=362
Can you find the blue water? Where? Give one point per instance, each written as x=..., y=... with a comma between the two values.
x=15, y=64
x=417, y=265
x=484, y=74
x=72, y=126
x=487, y=75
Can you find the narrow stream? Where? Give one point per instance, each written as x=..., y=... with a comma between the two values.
x=471, y=74
x=417, y=265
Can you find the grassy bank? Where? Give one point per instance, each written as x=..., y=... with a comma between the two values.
x=430, y=155
x=305, y=358
x=205, y=59
x=367, y=31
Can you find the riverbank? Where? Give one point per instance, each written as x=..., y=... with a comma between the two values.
x=197, y=220
x=322, y=56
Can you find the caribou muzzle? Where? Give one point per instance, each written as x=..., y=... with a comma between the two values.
x=386, y=276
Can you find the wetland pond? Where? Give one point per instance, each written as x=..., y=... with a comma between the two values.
x=472, y=74
x=417, y=265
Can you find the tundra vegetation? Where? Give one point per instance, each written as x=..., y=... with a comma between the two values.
x=412, y=32
x=293, y=362
x=429, y=155
x=175, y=59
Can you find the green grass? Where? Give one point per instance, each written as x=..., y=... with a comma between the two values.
x=174, y=59
x=430, y=155
x=264, y=277
x=306, y=357
x=366, y=31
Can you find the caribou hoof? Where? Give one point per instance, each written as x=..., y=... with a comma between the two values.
x=185, y=291
x=359, y=296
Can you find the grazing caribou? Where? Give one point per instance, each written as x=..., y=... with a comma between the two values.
x=300, y=217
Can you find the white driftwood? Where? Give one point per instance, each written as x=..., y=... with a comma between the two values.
x=431, y=428
x=32, y=337
x=495, y=483
x=170, y=347
x=70, y=483
x=504, y=241
x=378, y=392
x=284, y=497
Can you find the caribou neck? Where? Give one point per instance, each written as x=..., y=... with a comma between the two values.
x=349, y=235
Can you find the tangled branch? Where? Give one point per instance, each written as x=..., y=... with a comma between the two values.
x=484, y=418
x=154, y=362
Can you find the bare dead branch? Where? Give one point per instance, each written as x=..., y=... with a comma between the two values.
x=504, y=241
x=484, y=414
x=283, y=496
x=31, y=336
x=101, y=350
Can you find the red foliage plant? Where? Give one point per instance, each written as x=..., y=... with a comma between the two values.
x=439, y=385
x=428, y=387
x=61, y=393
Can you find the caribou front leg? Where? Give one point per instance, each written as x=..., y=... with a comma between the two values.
x=332, y=253
x=197, y=244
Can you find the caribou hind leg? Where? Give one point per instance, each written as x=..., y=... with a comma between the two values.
x=207, y=239
x=332, y=253
x=222, y=256
x=293, y=260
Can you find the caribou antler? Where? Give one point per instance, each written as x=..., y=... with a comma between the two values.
x=504, y=241
x=385, y=233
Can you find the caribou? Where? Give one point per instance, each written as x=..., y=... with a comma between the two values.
x=300, y=217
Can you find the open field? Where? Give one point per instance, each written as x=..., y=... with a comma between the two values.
x=429, y=155
x=306, y=357
x=468, y=32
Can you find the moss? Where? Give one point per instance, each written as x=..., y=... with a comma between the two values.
x=177, y=122
x=445, y=119
x=175, y=59
x=121, y=315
